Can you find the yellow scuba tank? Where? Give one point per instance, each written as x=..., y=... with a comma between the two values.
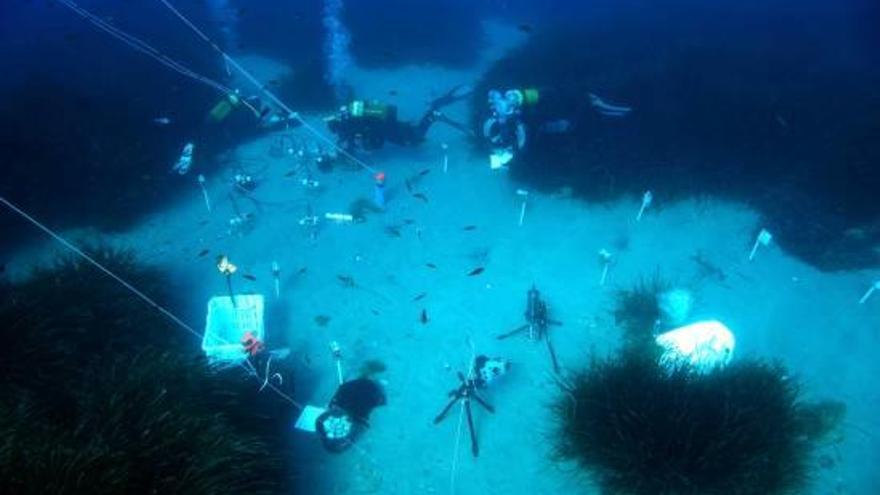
x=530, y=97
x=223, y=108
x=371, y=109
x=523, y=97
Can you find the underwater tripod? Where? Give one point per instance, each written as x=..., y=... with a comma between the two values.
x=537, y=323
x=464, y=393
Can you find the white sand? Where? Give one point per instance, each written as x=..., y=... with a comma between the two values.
x=777, y=306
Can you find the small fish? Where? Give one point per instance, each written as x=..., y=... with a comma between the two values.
x=781, y=121
x=393, y=92
x=560, y=126
x=432, y=266
x=420, y=296
x=409, y=187
x=250, y=277
x=203, y=252
x=525, y=28
x=274, y=83
x=374, y=311
x=420, y=196
x=2, y=268
x=346, y=280
x=302, y=271
x=392, y=231
x=424, y=172
x=162, y=120
x=424, y=317
x=476, y=271
x=204, y=222
x=408, y=221
x=470, y=227
x=290, y=174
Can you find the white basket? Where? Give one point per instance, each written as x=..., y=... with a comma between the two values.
x=226, y=324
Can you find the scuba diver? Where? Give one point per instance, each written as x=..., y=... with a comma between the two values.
x=369, y=124
x=504, y=128
x=267, y=116
x=516, y=118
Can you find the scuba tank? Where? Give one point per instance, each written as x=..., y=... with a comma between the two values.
x=223, y=107
x=369, y=109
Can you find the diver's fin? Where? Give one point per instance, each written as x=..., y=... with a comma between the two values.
x=451, y=96
x=512, y=332
x=456, y=125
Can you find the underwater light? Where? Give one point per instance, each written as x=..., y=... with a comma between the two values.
x=703, y=346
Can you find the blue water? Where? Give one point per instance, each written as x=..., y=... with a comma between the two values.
x=737, y=116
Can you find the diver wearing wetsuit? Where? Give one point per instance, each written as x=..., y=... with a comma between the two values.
x=369, y=124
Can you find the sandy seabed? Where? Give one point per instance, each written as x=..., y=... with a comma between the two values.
x=778, y=307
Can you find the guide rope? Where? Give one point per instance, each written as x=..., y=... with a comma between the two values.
x=131, y=288
x=155, y=305
x=145, y=48
x=264, y=90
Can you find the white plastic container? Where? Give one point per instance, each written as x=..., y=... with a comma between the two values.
x=703, y=346
x=226, y=324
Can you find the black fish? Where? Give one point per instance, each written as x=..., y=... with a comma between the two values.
x=525, y=28
x=432, y=266
x=421, y=196
x=203, y=252
x=302, y=271
x=470, y=227
x=250, y=277
x=424, y=317
x=420, y=296
x=291, y=173
x=346, y=280
x=476, y=271
x=2, y=268
x=424, y=172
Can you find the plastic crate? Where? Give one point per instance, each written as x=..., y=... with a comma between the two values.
x=226, y=324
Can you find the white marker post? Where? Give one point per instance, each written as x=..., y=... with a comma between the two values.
x=339, y=217
x=201, y=179
x=276, y=275
x=336, y=351
x=647, y=199
x=605, y=261
x=871, y=290
x=763, y=239
x=445, y=157
x=522, y=210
